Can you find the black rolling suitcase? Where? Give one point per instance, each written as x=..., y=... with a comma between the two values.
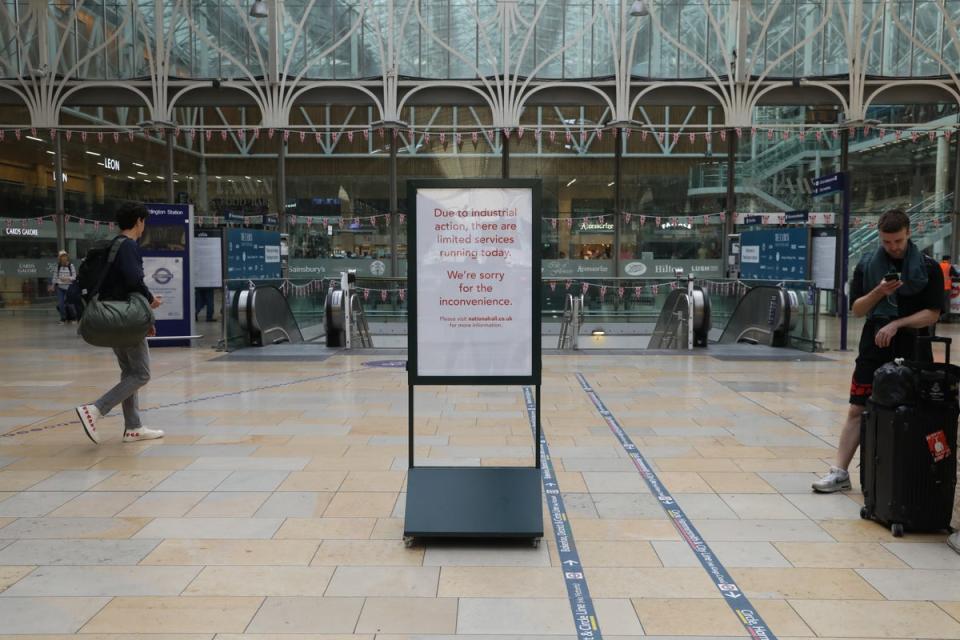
x=908, y=445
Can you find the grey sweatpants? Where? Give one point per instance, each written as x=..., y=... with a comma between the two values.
x=134, y=373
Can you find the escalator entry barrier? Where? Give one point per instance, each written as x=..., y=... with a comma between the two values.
x=675, y=329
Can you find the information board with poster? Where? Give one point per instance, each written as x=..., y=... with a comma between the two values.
x=474, y=284
x=166, y=248
x=774, y=254
x=823, y=261
x=253, y=254
x=208, y=258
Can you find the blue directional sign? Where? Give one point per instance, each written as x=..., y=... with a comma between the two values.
x=825, y=185
x=794, y=217
x=774, y=254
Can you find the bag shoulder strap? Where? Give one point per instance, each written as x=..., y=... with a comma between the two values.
x=114, y=249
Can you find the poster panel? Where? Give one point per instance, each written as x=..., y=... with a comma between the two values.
x=475, y=282
x=824, y=260
x=164, y=277
x=253, y=254
x=207, y=249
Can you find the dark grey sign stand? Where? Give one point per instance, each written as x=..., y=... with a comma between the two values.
x=472, y=502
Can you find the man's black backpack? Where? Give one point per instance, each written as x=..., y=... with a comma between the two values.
x=91, y=269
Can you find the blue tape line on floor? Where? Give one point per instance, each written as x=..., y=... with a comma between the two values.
x=581, y=605
x=733, y=596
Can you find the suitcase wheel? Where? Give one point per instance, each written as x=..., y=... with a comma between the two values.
x=897, y=530
x=864, y=513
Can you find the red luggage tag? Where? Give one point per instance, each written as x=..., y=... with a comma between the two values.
x=937, y=442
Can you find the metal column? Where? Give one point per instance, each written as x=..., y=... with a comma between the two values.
x=731, y=199
x=171, y=191
x=617, y=198
x=59, y=188
x=282, y=185
x=394, y=232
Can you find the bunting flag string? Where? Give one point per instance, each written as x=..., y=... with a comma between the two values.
x=557, y=134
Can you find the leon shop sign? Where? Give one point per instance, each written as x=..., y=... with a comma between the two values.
x=474, y=282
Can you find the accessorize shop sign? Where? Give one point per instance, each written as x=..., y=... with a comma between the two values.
x=474, y=278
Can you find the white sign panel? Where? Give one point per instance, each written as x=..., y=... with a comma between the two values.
x=750, y=254
x=206, y=263
x=824, y=261
x=164, y=277
x=474, y=282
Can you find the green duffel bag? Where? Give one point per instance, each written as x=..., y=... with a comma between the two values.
x=116, y=323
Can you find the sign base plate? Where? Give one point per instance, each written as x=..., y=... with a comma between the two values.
x=473, y=502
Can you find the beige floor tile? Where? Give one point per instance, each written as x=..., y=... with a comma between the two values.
x=174, y=615
x=228, y=504
x=780, y=583
x=372, y=462
x=20, y=480
x=857, y=619
x=361, y=504
x=571, y=482
x=408, y=615
x=654, y=582
x=737, y=482
x=133, y=480
x=388, y=529
x=369, y=553
x=260, y=581
x=697, y=465
x=684, y=482
x=781, y=618
x=618, y=617
x=313, y=481
x=401, y=582
x=596, y=529
x=307, y=615
x=164, y=504
x=233, y=552
x=868, y=531
x=391, y=481
x=515, y=617
x=953, y=608
x=144, y=463
x=501, y=582
x=99, y=504
x=784, y=465
x=734, y=452
x=840, y=555
x=58, y=463
x=10, y=575
x=326, y=529
x=5, y=521
x=290, y=636
x=687, y=617
x=614, y=553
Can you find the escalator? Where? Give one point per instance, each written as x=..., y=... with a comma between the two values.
x=265, y=316
x=765, y=315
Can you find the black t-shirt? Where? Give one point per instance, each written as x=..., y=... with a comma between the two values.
x=930, y=297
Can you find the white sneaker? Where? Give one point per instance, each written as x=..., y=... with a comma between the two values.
x=89, y=414
x=837, y=480
x=954, y=541
x=136, y=435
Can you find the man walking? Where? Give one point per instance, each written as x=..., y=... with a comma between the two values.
x=125, y=276
x=900, y=291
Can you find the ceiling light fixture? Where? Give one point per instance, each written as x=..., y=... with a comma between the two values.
x=259, y=10
x=639, y=9
x=34, y=138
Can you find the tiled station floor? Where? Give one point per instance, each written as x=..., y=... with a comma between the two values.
x=274, y=506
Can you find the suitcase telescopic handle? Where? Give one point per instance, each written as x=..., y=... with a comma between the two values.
x=946, y=342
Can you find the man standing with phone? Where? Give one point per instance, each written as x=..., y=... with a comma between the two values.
x=123, y=277
x=900, y=292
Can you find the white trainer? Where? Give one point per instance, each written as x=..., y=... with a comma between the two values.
x=137, y=435
x=89, y=414
x=954, y=541
x=837, y=480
